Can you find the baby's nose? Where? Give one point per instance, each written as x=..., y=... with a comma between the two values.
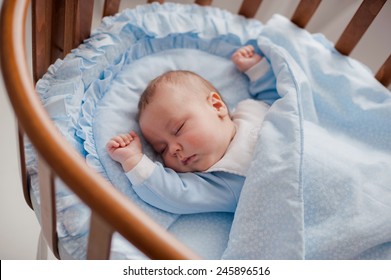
x=175, y=150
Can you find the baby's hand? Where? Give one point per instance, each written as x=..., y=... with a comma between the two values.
x=126, y=149
x=245, y=58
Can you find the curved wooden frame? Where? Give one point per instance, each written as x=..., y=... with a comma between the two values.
x=111, y=211
x=109, y=206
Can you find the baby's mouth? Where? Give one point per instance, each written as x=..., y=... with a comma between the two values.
x=188, y=160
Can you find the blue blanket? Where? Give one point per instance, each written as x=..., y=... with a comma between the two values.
x=320, y=182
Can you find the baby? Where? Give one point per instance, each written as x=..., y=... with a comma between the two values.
x=206, y=151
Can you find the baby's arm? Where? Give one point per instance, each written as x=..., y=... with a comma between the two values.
x=168, y=190
x=245, y=58
x=259, y=71
x=125, y=149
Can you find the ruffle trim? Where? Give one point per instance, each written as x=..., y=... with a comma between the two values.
x=159, y=28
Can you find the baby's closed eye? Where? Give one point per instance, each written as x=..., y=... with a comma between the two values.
x=178, y=130
x=162, y=150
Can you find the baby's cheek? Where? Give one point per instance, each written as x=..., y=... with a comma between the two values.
x=168, y=162
x=196, y=140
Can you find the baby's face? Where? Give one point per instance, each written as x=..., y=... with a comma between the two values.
x=191, y=132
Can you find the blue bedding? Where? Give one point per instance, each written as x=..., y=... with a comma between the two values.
x=319, y=186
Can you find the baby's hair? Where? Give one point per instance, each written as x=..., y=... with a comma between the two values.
x=182, y=78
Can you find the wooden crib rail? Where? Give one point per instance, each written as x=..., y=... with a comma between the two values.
x=111, y=7
x=304, y=12
x=104, y=200
x=357, y=26
x=384, y=73
x=58, y=27
x=70, y=35
x=249, y=8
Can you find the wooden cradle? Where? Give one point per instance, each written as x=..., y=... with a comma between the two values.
x=57, y=27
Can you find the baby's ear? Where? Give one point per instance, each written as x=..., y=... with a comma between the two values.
x=218, y=104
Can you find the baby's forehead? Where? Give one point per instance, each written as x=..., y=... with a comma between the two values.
x=178, y=91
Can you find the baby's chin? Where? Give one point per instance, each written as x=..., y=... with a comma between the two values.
x=185, y=169
x=198, y=167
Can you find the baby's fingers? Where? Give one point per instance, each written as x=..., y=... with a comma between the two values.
x=133, y=135
x=118, y=141
x=123, y=139
x=112, y=144
x=247, y=51
x=243, y=52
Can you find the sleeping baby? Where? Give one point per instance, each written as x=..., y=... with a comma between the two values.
x=206, y=151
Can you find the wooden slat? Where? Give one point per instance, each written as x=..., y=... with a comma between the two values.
x=41, y=12
x=23, y=170
x=85, y=11
x=360, y=22
x=111, y=7
x=204, y=2
x=304, y=11
x=99, y=239
x=384, y=73
x=69, y=25
x=249, y=8
x=70, y=16
x=78, y=20
x=48, y=205
x=57, y=30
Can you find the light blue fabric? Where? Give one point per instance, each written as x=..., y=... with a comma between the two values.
x=189, y=193
x=116, y=63
x=320, y=183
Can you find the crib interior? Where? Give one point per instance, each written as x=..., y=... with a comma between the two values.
x=58, y=27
